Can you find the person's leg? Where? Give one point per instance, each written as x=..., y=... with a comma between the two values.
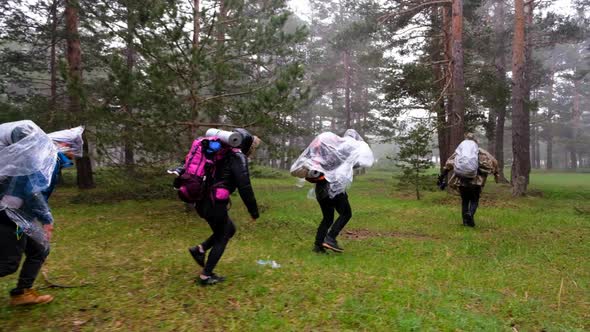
x=11, y=248
x=464, y=191
x=342, y=206
x=11, y=251
x=327, y=208
x=474, y=202
x=223, y=230
x=198, y=252
x=35, y=257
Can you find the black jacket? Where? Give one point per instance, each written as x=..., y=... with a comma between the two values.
x=231, y=173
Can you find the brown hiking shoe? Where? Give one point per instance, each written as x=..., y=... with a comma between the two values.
x=30, y=296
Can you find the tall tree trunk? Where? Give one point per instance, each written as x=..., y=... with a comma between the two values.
x=439, y=55
x=74, y=57
x=347, y=87
x=576, y=122
x=519, y=120
x=219, y=80
x=194, y=84
x=528, y=81
x=53, y=63
x=334, y=109
x=127, y=107
x=535, y=149
x=549, y=157
x=456, y=118
x=500, y=64
x=548, y=130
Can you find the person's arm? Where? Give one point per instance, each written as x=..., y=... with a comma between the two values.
x=241, y=174
x=35, y=203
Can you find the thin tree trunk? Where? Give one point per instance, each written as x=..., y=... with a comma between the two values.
x=576, y=122
x=519, y=119
x=500, y=64
x=456, y=118
x=53, y=64
x=347, y=87
x=548, y=130
x=194, y=84
x=528, y=78
x=439, y=70
x=127, y=107
x=74, y=57
x=549, y=157
x=219, y=80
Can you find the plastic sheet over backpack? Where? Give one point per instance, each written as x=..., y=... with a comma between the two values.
x=335, y=157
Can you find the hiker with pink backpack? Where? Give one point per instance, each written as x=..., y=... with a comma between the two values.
x=214, y=168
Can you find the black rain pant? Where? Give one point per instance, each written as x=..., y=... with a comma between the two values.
x=215, y=213
x=328, y=227
x=469, y=202
x=11, y=253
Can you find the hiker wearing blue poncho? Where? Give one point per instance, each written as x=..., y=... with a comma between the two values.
x=27, y=179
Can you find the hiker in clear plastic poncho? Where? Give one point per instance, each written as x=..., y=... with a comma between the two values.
x=329, y=162
x=468, y=185
x=30, y=166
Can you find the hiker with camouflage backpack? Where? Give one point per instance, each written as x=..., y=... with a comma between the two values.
x=470, y=166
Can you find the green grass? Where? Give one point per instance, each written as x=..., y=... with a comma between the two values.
x=413, y=267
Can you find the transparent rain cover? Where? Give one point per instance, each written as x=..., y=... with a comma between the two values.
x=69, y=140
x=28, y=158
x=466, y=159
x=335, y=157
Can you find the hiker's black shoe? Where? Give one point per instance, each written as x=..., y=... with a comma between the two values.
x=468, y=220
x=211, y=280
x=318, y=249
x=330, y=243
x=198, y=256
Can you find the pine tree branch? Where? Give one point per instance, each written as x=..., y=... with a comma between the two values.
x=387, y=17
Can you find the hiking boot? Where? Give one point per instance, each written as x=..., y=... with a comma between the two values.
x=29, y=296
x=332, y=244
x=468, y=220
x=211, y=280
x=198, y=256
x=319, y=249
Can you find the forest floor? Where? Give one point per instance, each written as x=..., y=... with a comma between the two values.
x=408, y=266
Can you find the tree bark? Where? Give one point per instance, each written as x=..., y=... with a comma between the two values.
x=519, y=119
x=549, y=162
x=576, y=122
x=456, y=118
x=74, y=57
x=127, y=107
x=219, y=81
x=347, y=87
x=500, y=64
x=528, y=81
x=439, y=69
x=194, y=84
x=53, y=63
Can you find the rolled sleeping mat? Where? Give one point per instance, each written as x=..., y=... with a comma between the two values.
x=314, y=174
x=230, y=138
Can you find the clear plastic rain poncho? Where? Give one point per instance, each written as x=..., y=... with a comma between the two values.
x=69, y=140
x=335, y=157
x=28, y=160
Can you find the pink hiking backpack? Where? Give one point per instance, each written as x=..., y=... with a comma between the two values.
x=199, y=168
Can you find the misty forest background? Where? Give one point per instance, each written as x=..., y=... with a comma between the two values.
x=146, y=77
